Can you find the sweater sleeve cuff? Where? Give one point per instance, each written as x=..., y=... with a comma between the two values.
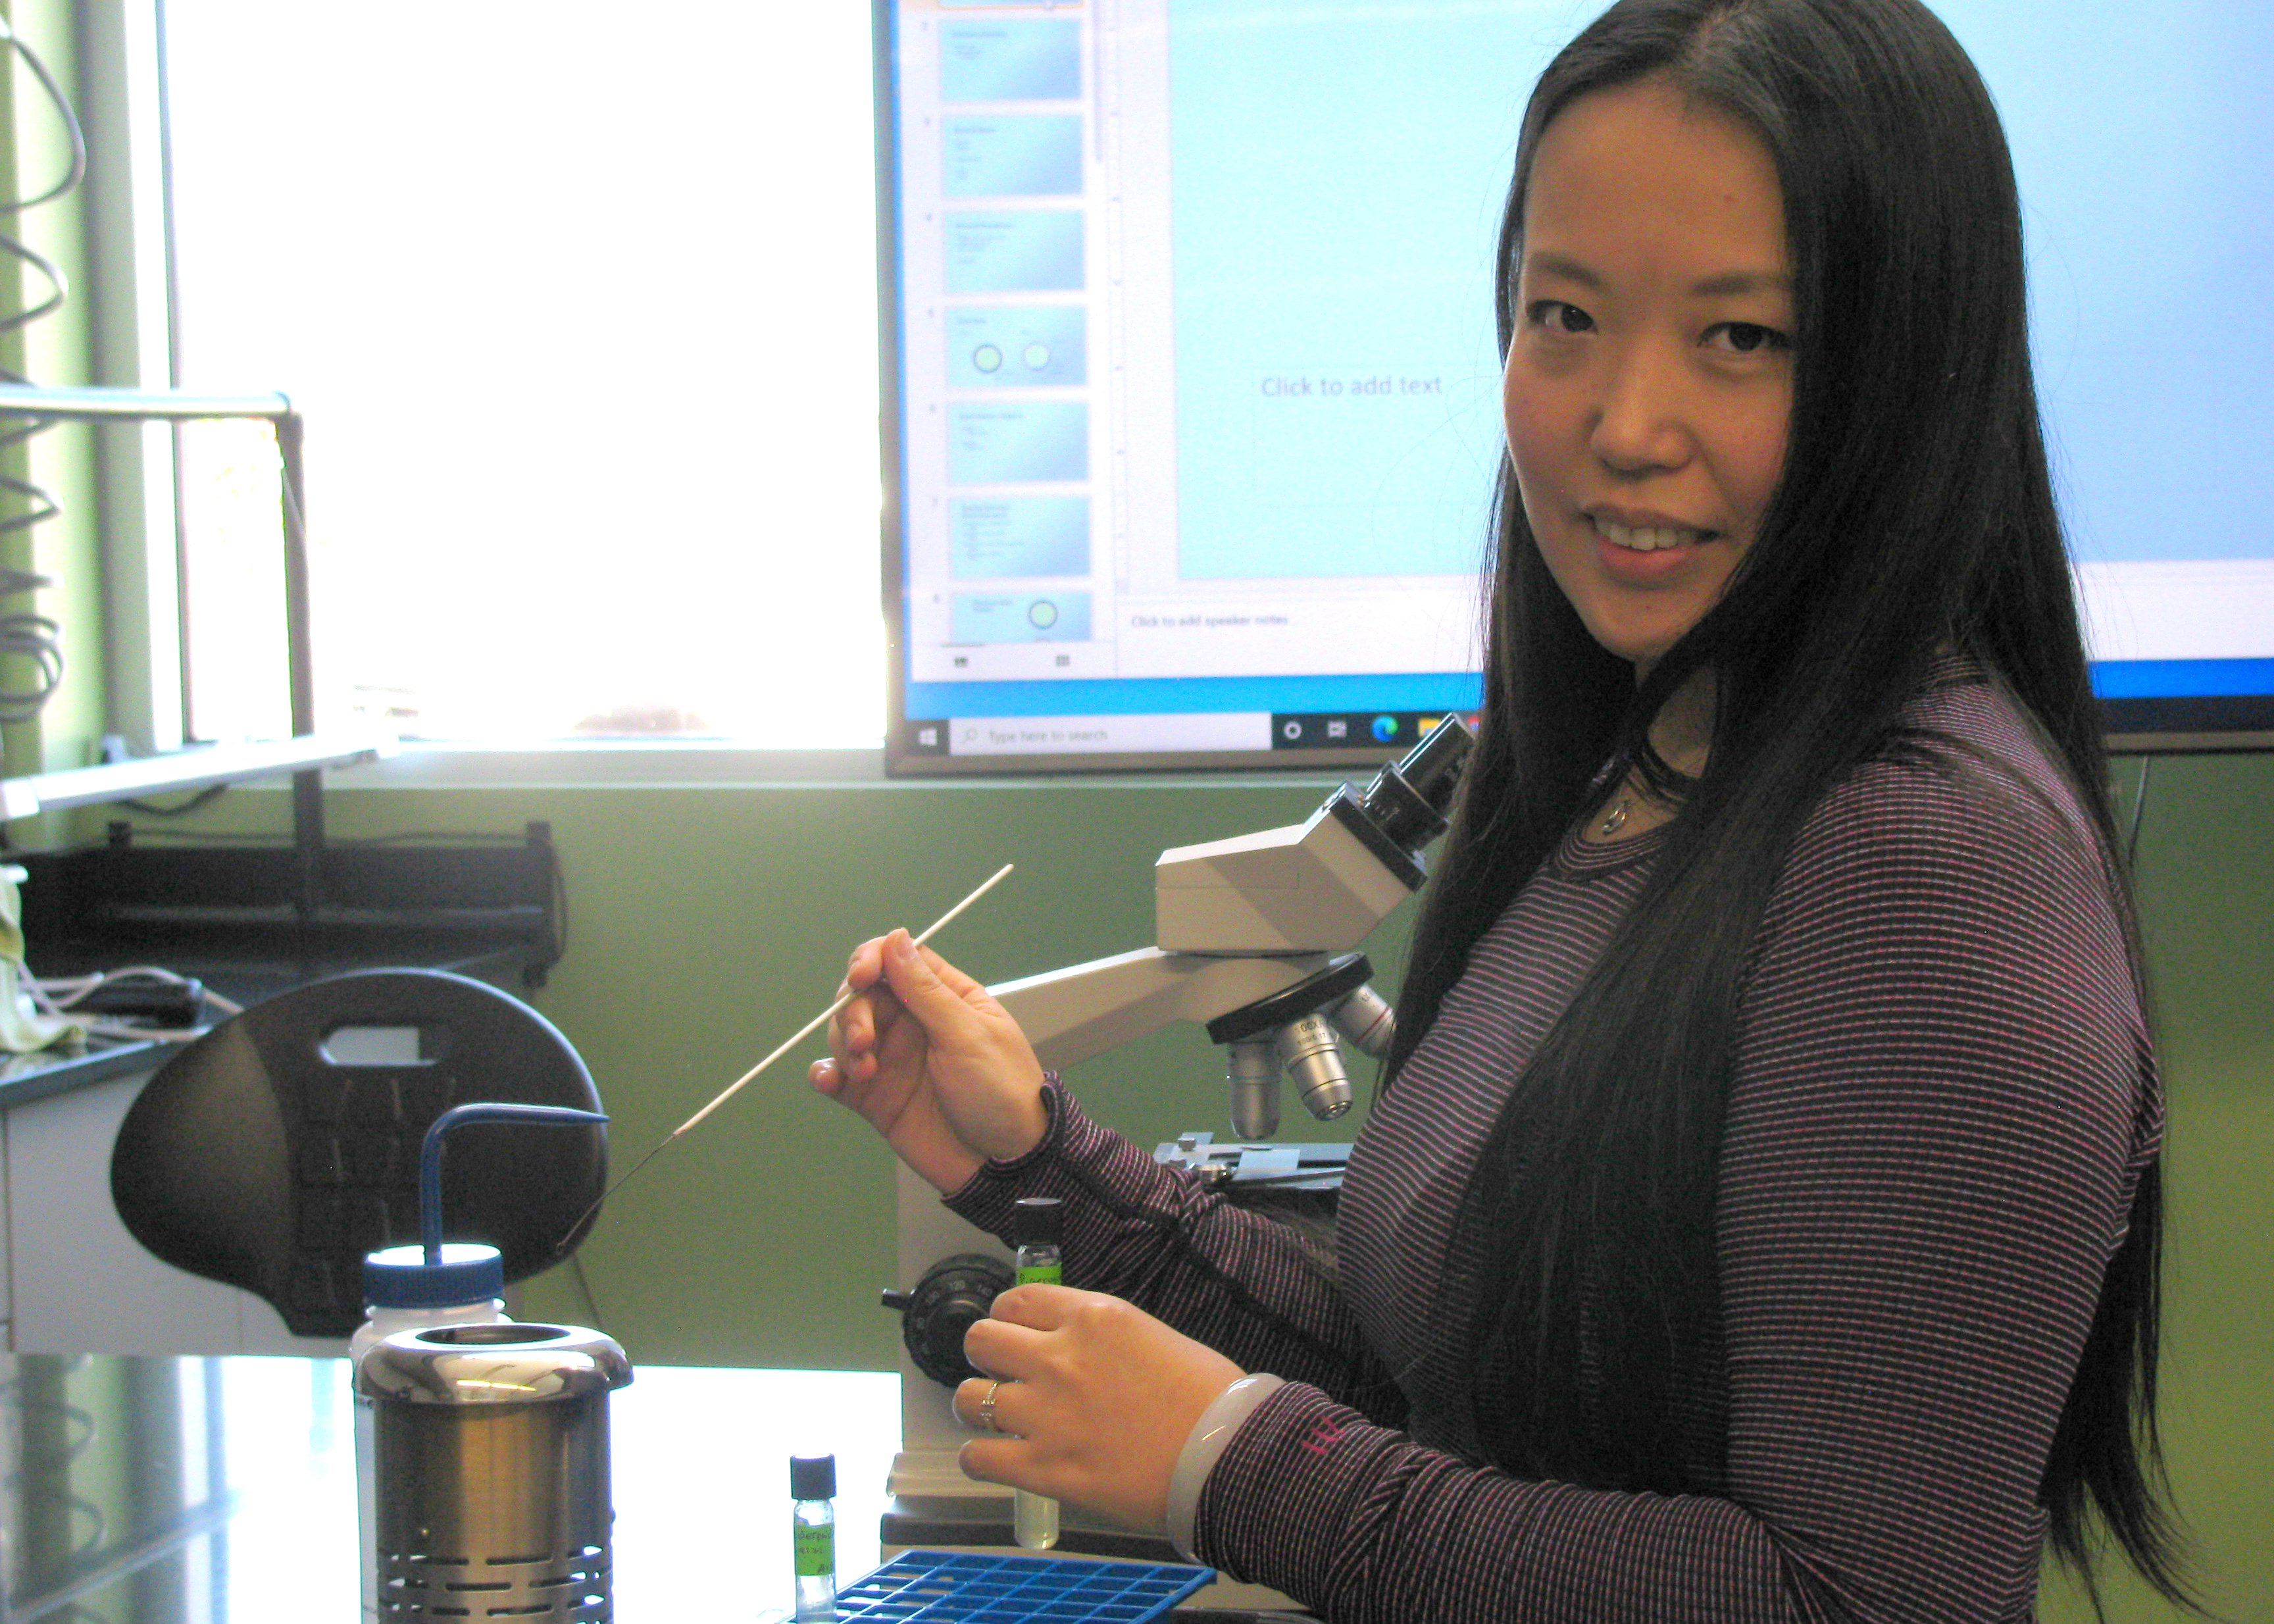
x=1203, y=1445
x=997, y=1172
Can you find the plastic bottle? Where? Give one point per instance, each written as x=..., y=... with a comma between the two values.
x=813, y=1534
x=401, y=1291
x=1038, y=1224
x=434, y=1284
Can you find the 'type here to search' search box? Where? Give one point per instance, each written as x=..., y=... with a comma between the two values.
x=1059, y=735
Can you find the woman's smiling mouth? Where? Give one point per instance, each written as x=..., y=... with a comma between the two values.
x=1646, y=537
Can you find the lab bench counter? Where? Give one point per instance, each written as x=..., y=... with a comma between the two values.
x=165, y=1490
x=222, y=1491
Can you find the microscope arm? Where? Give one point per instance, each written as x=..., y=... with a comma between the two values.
x=1085, y=1009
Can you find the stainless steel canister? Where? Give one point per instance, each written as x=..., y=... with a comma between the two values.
x=491, y=1471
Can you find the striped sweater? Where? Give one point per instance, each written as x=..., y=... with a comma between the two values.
x=1942, y=1098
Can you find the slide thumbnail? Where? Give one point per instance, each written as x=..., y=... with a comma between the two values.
x=1013, y=444
x=1018, y=535
x=1021, y=155
x=1036, y=61
x=994, y=348
x=1037, y=251
x=1019, y=617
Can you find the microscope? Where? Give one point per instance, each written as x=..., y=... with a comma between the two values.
x=1255, y=937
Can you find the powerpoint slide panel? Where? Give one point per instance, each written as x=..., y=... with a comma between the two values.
x=1015, y=155
x=1031, y=250
x=1020, y=443
x=998, y=347
x=1019, y=617
x=1037, y=60
x=1018, y=535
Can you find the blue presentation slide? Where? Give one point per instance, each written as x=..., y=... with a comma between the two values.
x=1019, y=617
x=1021, y=155
x=2148, y=211
x=992, y=347
x=1336, y=377
x=1032, y=251
x=1011, y=444
x=1018, y=535
x=1337, y=381
x=1021, y=61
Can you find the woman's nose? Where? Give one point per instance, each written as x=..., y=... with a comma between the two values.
x=1640, y=423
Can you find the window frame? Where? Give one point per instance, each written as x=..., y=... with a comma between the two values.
x=127, y=251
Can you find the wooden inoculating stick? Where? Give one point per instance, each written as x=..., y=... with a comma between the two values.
x=794, y=1038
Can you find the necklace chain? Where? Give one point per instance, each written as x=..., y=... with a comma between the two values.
x=1616, y=818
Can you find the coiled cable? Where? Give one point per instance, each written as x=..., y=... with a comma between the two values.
x=24, y=632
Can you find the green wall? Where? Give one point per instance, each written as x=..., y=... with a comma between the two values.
x=709, y=922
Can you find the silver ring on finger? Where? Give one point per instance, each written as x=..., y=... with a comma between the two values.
x=987, y=1408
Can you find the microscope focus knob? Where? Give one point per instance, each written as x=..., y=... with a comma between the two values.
x=954, y=1294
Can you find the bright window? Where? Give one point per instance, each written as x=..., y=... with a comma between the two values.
x=579, y=302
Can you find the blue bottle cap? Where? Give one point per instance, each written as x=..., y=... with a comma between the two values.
x=400, y=1277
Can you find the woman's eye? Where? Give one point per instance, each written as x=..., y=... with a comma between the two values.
x=1746, y=337
x=1558, y=316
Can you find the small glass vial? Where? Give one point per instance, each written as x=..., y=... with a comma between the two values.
x=1038, y=1225
x=813, y=1534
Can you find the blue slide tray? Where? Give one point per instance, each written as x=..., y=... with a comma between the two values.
x=941, y=1587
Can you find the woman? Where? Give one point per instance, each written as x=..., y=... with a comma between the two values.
x=1760, y=1219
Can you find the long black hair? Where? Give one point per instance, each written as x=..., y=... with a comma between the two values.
x=1915, y=516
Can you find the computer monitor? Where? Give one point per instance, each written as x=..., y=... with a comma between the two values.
x=1191, y=399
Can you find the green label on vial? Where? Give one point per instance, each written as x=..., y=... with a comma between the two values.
x=1039, y=1274
x=816, y=1551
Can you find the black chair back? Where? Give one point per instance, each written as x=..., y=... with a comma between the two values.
x=275, y=1150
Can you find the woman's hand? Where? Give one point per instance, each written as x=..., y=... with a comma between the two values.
x=1100, y=1394
x=934, y=1065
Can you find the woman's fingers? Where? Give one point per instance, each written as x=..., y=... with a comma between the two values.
x=954, y=980
x=1096, y=1396
x=1001, y=1349
x=972, y=1409
x=914, y=975
x=995, y=1460
x=998, y=1456
x=1040, y=1307
x=859, y=1034
x=865, y=963
x=862, y=970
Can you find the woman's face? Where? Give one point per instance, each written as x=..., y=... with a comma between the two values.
x=1649, y=381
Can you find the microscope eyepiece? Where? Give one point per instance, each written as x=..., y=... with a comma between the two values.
x=1408, y=800
x=1433, y=767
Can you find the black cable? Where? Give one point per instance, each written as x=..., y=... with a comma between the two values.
x=486, y=836
x=33, y=636
x=242, y=837
x=492, y=837
x=584, y=1285
x=2139, y=811
x=559, y=907
x=77, y=172
x=204, y=797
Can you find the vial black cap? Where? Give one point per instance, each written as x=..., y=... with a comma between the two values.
x=813, y=1477
x=1038, y=1221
